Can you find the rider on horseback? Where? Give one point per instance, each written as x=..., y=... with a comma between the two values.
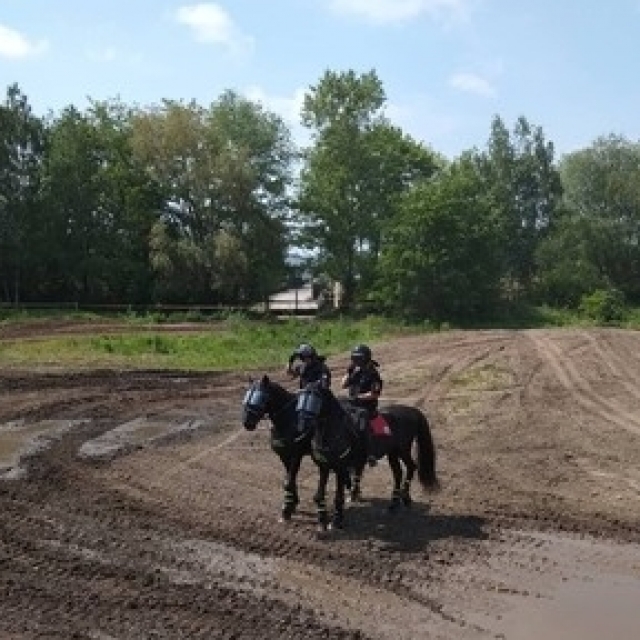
x=365, y=385
x=311, y=368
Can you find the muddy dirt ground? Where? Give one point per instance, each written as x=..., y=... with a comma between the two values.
x=134, y=506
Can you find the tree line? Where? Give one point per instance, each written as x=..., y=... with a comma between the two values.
x=188, y=204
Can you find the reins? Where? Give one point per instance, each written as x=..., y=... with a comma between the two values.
x=273, y=414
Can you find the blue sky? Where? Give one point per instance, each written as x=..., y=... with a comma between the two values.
x=447, y=66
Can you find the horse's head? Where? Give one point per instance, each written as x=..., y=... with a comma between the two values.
x=267, y=398
x=310, y=407
x=256, y=403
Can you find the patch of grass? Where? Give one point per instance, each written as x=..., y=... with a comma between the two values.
x=632, y=318
x=484, y=378
x=9, y=315
x=235, y=343
x=525, y=316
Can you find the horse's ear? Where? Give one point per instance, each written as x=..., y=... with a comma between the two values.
x=250, y=380
x=265, y=379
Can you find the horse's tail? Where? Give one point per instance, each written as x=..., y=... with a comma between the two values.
x=426, y=456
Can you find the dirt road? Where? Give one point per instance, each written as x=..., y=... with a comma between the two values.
x=134, y=506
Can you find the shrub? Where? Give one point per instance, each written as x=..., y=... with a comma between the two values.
x=604, y=306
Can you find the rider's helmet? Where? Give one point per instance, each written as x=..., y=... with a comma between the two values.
x=306, y=351
x=361, y=355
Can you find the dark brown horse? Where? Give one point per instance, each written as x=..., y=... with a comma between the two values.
x=266, y=398
x=339, y=444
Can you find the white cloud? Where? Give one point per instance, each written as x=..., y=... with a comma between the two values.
x=396, y=11
x=472, y=83
x=14, y=45
x=210, y=23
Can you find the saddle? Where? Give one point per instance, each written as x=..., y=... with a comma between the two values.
x=378, y=426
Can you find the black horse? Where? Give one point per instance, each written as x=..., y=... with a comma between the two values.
x=339, y=444
x=267, y=398
x=336, y=445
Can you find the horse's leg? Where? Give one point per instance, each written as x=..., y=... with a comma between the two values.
x=291, y=498
x=359, y=463
x=411, y=467
x=356, y=490
x=320, y=498
x=287, y=498
x=396, y=469
x=338, y=504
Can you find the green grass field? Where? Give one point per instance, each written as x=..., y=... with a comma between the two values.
x=223, y=343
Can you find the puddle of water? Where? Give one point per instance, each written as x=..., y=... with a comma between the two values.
x=15, y=438
x=18, y=439
x=135, y=434
x=608, y=607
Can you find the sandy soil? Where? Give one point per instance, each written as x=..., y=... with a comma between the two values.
x=133, y=505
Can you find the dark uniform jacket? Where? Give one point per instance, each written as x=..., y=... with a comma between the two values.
x=312, y=371
x=363, y=380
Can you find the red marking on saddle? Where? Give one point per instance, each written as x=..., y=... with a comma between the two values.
x=380, y=426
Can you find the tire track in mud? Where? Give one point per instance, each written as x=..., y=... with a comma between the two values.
x=251, y=528
x=174, y=470
x=521, y=406
x=104, y=394
x=182, y=541
x=580, y=389
x=452, y=363
x=340, y=560
x=627, y=377
x=90, y=561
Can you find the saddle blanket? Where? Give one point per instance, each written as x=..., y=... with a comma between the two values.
x=379, y=426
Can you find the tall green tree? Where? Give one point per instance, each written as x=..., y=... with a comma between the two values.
x=22, y=144
x=254, y=238
x=567, y=264
x=73, y=226
x=225, y=172
x=101, y=207
x=602, y=195
x=129, y=203
x=339, y=110
x=353, y=174
x=441, y=259
x=526, y=189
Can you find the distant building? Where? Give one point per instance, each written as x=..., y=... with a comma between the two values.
x=307, y=299
x=295, y=301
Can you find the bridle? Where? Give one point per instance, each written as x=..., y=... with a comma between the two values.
x=256, y=403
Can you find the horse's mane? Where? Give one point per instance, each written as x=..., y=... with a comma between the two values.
x=268, y=382
x=330, y=402
x=279, y=394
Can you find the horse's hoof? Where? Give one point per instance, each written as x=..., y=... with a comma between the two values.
x=406, y=500
x=322, y=531
x=355, y=496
